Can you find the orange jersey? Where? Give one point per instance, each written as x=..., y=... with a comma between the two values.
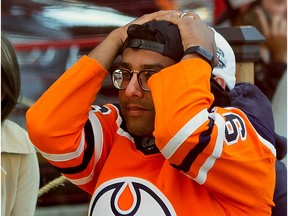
x=210, y=163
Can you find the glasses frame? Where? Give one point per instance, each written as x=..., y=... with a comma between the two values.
x=131, y=72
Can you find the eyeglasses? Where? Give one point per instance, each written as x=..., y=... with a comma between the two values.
x=122, y=76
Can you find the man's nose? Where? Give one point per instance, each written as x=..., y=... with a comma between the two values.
x=133, y=89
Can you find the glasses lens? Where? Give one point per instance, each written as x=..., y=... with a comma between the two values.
x=144, y=77
x=121, y=78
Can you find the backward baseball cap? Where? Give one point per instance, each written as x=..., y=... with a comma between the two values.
x=164, y=37
x=226, y=67
x=171, y=46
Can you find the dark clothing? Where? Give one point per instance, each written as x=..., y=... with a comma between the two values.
x=280, y=194
x=253, y=102
x=267, y=76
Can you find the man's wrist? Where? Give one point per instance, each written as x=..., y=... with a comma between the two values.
x=202, y=53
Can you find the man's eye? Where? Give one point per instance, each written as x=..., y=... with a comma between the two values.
x=126, y=75
x=148, y=74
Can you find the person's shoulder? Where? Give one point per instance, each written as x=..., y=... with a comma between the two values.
x=249, y=96
x=15, y=139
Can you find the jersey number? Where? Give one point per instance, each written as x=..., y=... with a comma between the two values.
x=235, y=129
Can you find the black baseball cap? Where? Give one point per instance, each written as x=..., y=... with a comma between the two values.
x=158, y=36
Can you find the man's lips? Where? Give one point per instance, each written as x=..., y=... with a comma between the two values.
x=135, y=110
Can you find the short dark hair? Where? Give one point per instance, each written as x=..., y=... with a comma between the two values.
x=10, y=77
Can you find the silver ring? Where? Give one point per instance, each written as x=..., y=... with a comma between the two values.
x=184, y=14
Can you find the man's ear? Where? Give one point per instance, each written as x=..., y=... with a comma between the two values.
x=220, y=81
x=221, y=97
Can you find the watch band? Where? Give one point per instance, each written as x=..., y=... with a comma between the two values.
x=203, y=53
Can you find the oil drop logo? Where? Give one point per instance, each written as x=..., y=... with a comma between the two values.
x=129, y=196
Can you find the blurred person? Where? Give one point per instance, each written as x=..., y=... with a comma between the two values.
x=171, y=146
x=270, y=18
x=19, y=164
x=279, y=106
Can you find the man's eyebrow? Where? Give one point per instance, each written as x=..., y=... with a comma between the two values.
x=124, y=65
x=153, y=66
x=145, y=66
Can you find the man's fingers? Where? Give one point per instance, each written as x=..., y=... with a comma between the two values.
x=143, y=19
x=153, y=16
x=263, y=21
x=279, y=26
x=283, y=27
x=177, y=16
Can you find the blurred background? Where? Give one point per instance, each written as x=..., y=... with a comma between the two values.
x=49, y=36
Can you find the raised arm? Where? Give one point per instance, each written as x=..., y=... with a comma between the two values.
x=219, y=148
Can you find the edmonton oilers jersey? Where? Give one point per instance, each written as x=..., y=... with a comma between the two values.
x=202, y=163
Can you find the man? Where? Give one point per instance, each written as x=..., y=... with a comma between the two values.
x=164, y=150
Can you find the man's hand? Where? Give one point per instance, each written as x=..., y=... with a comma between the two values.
x=194, y=32
x=106, y=52
x=122, y=32
x=275, y=32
